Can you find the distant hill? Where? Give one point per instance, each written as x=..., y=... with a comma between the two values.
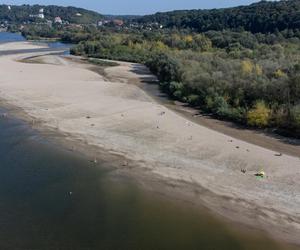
x=122, y=17
x=264, y=17
x=24, y=13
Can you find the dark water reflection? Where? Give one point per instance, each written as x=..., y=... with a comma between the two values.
x=37, y=210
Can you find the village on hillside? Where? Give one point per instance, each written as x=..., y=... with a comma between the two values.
x=40, y=17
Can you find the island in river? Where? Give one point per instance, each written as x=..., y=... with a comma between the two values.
x=108, y=116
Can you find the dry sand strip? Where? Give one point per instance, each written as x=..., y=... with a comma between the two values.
x=20, y=46
x=121, y=118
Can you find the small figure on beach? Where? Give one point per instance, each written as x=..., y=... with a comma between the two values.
x=261, y=174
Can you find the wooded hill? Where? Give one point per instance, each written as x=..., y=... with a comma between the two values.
x=25, y=13
x=264, y=17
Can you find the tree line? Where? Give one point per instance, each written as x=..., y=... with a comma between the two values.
x=25, y=13
x=264, y=17
x=237, y=76
x=249, y=78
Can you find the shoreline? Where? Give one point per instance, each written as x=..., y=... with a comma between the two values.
x=183, y=193
x=263, y=138
x=219, y=203
x=259, y=137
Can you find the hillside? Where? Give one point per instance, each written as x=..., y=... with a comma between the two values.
x=25, y=13
x=264, y=17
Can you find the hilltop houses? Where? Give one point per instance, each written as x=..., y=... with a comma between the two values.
x=114, y=22
x=118, y=22
x=39, y=15
x=58, y=20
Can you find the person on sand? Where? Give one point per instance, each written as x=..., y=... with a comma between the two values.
x=261, y=174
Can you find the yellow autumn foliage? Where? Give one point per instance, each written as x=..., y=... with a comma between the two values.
x=258, y=70
x=279, y=73
x=247, y=67
x=160, y=45
x=259, y=115
x=188, y=39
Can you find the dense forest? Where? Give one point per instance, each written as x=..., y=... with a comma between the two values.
x=263, y=17
x=25, y=13
x=252, y=78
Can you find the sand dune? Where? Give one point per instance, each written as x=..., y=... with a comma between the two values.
x=120, y=117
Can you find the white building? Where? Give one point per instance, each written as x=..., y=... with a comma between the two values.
x=41, y=14
x=57, y=20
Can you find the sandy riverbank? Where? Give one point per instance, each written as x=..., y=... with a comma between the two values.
x=20, y=46
x=119, y=117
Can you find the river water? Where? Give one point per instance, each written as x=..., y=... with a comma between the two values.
x=51, y=198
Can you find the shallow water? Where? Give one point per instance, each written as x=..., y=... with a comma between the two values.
x=16, y=37
x=10, y=37
x=51, y=198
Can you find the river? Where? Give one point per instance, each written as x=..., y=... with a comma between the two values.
x=52, y=198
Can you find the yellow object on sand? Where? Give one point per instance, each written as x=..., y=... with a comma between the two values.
x=261, y=174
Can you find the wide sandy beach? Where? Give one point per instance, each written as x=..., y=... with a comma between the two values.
x=120, y=118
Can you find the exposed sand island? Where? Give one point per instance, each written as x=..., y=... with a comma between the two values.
x=120, y=118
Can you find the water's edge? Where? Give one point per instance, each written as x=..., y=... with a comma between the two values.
x=79, y=191
x=177, y=194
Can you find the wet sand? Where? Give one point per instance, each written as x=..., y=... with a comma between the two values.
x=117, y=117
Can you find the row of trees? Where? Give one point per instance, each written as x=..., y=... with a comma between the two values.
x=19, y=14
x=264, y=17
x=250, y=78
x=253, y=83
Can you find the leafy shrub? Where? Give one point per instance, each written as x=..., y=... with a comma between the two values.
x=259, y=115
x=220, y=107
x=295, y=117
x=193, y=100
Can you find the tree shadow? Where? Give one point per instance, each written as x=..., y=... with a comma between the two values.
x=150, y=84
